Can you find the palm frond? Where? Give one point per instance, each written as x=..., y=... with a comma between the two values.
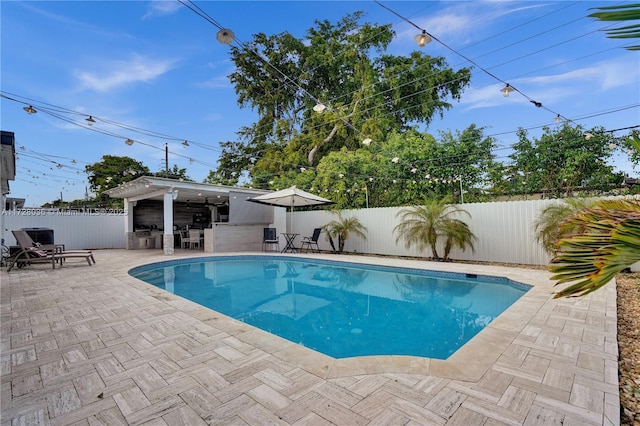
x=626, y=12
x=610, y=243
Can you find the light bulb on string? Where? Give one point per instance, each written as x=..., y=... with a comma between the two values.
x=319, y=107
x=506, y=90
x=422, y=39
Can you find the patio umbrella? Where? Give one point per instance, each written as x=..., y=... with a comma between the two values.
x=291, y=197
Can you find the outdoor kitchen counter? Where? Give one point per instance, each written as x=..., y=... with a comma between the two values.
x=233, y=237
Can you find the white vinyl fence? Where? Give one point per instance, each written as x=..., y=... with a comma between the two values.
x=504, y=231
x=76, y=230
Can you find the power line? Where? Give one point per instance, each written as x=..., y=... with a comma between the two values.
x=533, y=101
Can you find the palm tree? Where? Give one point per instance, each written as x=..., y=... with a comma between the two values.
x=457, y=234
x=552, y=224
x=425, y=224
x=605, y=240
x=341, y=228
x=609, y=243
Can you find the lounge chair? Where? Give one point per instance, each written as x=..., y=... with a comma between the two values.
x=32, y=252
x=309, y=242
x=270, y=239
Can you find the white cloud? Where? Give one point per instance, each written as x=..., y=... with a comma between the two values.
x=485, y=97
x=622, y=72
x=71, y=23
x=458, y=24
x=120, y=73
x=161, y=8
x=600, y=77
x=215, y=83
x=443, y=25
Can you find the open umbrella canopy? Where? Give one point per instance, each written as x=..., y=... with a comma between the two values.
x=291, y=197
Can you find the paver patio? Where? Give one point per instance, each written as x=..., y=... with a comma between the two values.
x=90, y=345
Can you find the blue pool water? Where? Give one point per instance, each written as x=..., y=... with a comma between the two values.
x=342, y=309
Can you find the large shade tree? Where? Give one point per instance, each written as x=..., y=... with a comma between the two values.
x=343, y=65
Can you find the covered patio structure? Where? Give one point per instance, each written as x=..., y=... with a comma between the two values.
x=158, y=208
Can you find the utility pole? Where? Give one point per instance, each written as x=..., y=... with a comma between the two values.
x=166, y=160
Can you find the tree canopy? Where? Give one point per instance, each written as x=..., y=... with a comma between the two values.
x=174, y=172
x=563, y=160
x=366, y=94
x=402, y=169
x=113, y=170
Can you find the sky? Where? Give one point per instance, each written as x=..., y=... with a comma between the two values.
x=155, y=69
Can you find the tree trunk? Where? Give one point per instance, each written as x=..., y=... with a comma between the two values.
x=447, y=249
x=434, y=251
x=333, y=246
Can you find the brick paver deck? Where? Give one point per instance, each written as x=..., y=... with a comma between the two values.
x=89, y=345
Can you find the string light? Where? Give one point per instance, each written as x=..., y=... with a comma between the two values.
x=506, y=90
x=90, y=121
x=422, y=39
x=30, y=110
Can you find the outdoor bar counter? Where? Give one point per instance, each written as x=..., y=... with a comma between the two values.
x=232, y=237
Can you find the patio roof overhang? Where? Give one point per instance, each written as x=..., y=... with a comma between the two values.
x=154, y=188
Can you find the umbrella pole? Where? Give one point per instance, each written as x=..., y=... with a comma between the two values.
x=290, y=223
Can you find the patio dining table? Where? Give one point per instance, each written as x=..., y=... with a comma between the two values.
x=289, y=239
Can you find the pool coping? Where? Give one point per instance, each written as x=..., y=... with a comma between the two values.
x=468, y=363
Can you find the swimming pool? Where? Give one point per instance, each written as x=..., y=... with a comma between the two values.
x=342, y=309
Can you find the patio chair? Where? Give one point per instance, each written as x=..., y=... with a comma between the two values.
x=184, y=239
x=309, y=242
x=194, y=238
x=270, y=239
x=32, y=252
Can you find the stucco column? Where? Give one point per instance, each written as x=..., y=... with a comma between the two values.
x=128, y=223
x=167, y=236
